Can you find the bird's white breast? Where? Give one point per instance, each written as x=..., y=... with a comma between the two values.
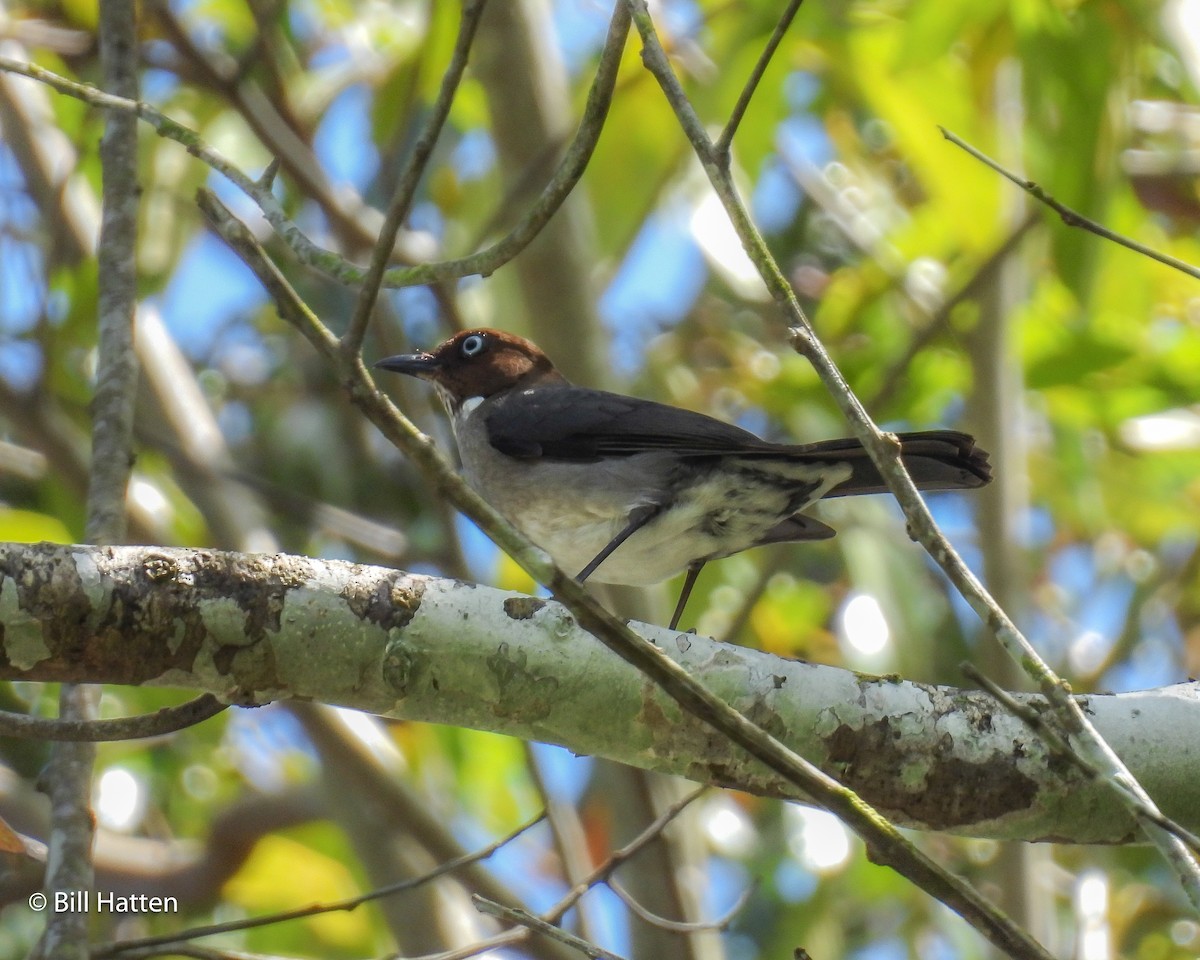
x=574, y=510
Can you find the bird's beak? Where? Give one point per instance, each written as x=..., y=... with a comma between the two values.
x=423, y=365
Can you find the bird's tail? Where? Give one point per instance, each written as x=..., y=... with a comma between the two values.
x=935, y=459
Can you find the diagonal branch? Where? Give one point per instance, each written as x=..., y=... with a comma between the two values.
x=337, y=906
x=1070, y=217
x=760, y=67
x=605, y=871
x=884, y=451
x=888, y=845
x=483, y=262
x=526, y=919
x=410, y=177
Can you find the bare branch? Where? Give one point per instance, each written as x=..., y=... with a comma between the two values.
x=116, y=368
x=350, y=903
x=760, y=67
x=405, y=651
x=526, y=919
x=484, y=262
x=618, y=857
x=884, y=452
x=166, y=720
x=69, y=774
x=410, y=177
x=1069, y=216
x=680, y=926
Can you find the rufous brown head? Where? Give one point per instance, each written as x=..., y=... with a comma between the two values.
x=477, y=363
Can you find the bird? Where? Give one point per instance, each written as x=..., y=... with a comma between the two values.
x=632, y=491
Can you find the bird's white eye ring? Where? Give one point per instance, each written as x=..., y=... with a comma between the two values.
x=472, y=345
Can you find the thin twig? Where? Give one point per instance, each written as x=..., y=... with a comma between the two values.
x=526, y=919
x=884, y=452
x=680, y=926
x=197, y=952
x=510, y=938
x=258, y=191
x=1070, y=217
x=618, y=857
x=272, y=121
x=166, y=720
x=569, y=838
x=483, y=262
x=570, y=168
x=743, y=101
x=346, y=905
x=410, y=177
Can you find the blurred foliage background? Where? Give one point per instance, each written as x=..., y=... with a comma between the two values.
x=946, y=297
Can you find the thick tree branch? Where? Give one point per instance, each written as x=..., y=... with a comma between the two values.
x=252, y=628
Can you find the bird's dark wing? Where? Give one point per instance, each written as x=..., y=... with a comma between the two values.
x=582, y=425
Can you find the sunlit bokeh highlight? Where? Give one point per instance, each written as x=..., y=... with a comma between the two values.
x=862, y=626
x=120, y=800
x=817, y=839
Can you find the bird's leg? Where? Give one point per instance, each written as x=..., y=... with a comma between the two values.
x=637, y=519
x=689, y=581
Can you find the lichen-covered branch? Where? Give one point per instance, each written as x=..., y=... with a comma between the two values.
x=253, y=628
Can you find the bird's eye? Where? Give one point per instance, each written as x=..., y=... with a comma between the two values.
x=472, y=345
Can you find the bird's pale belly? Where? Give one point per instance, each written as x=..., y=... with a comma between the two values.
x=574, y=528
x=575, y=515
x=642, y=559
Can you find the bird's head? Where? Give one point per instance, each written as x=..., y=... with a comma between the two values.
x=475, y=364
